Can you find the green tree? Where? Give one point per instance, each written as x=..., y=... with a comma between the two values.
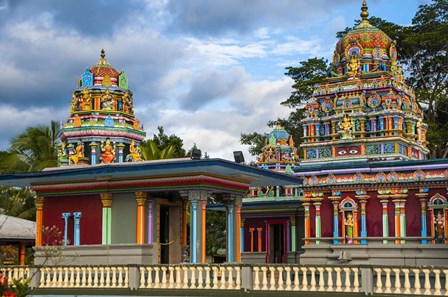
x=151, y=151
x=17, y=202
x=32, y=150
x=164, y=141
x=216, y=231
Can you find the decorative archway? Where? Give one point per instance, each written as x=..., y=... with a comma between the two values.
x=349, y=212
x=438, y=207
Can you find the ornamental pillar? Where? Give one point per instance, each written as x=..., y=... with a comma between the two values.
x=423, y=198
x=333, y=130
x=363, y=127
x=260, y=244
x=120, y=152
x=65, y=216
x=204, y=232
x=293, y=234
x=307, y=223
x=400, y=216
x=39, y=217
x=363, y=201
x=197, y=227
x=251, y=233
x=22, y=253
x=93, y=146
x=106, y=201
x=140, y=197
x=150, y=224
x=242, y=236
x=385, y=220
x=317, y=220
x=77, y=231
x=238, y=233
x=335, y=201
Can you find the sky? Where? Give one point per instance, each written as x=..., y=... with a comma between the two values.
x=205, y=70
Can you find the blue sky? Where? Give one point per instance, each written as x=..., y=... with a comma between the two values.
x=205, y=70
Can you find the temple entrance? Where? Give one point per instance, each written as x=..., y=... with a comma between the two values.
x=276, y=251
x=164, y=235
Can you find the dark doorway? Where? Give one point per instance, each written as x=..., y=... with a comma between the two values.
x=276, y=251
x=164, y=235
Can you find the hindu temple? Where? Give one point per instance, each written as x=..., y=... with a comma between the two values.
x=102, y=127
x=369, y=195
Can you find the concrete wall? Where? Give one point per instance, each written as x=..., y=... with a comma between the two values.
x=124, y=212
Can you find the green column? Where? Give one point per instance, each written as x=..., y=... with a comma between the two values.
x=106, y=200
x=293, y=234
x=317, y=221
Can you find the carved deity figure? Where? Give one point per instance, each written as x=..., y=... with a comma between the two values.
x=420, y=129
x=353, y=65
x=346, y=126
x=106, y=100
x=108, y=155
x=85, y=100
x=439, y=227
x=79, y=153
x=349, y=228
x=134, y=153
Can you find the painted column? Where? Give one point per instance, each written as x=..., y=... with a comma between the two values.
x=317, y=221
x=65, y=216
x=77, y=233
x=120, y=152
x=203, y=231
x=293, y=234
x=307, y=224
x=150, y=221
x=39, y=217
x=230, y=219
x=22, y=253
x=363, y=198
x=260, y=245
x=238, y=233
x=423, y=202
x=242, y=236
x=363, y=127
x=140, y=197
x=335, y=201
x=106, y=200
x=333, y=130
x=385, y=217
x=251, y=232
x=197, y=226
x=400, y=217
x=93, y=146
x=381, y=125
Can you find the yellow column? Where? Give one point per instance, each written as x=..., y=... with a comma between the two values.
x=141, y=199
x=39, y=217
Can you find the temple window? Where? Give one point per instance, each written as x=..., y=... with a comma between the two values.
x=349, y=209
x=438, y=208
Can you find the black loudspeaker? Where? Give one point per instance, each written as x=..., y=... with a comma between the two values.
x=238, y=156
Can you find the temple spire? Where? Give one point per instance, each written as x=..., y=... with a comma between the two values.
x=364, y=11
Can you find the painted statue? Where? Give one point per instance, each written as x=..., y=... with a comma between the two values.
x=108, y=155
x=353, y=65
x=439, y=227
x=85, y=100
x=420, y=129
x=79, y=153
x=349, y=228
x=134, y=153
x=346, y=126
x=107, y=101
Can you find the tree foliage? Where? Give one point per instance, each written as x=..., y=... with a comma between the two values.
x=164, y=141
x=17, y=203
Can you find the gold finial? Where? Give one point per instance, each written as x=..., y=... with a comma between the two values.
x=103, y=53
x=364, y=11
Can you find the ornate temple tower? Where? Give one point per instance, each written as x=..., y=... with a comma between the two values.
x=364, y=110
x=102, y=127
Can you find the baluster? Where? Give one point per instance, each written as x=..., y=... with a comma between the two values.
x=280, y=279
x=437, y=285
x=65, y=280
x=107, y=277
x=193, y=278
x=304, y=279
x=397, y=283
x=89, y=277
x=215, y=277
x=95, y=277
x=207, y=277
x=54, y=278
x=83, y=277
x=321, y=279
x=313, y=279
x=185, y=270
x=178, y=277
x=149, y=279
x=265, y=278
x=256, y=278
x=379, y=281
x=164, y=282
x=223, y=278
x=200, y=278
x=445, y=271
x=288, y=278
x=238, y=278
x=427, y=283
x=407, y=283
x=58, y=277
x=272, y=278
x=230, y=283
x=120, y=280
x=156, y=278
x=388, y=282
x=417, y=285
x=142, y=277
x=78, y=277
x=171, y=283
x=114, y=277
x=101, y=280
x=338, y=279
x=347, y=283
x=42, y=278
x=356, y=280
x=126, y=277
x=296, y=278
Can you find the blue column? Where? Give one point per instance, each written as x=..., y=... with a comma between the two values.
x=194, y=231
x=65, y=216
x=335, y=222
x=230, y=243
x=381, y=124
x=317, y=129
x=77, y=235
x=93, y=146
x=424, y=221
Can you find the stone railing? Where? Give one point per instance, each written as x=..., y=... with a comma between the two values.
x=375, y=280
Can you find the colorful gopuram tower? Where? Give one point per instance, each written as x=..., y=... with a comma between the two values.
x=102, y=127
x=364, y=109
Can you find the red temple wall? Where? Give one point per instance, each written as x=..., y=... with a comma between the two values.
x=312, y=221
x=374, y=216
x=90, y=223
x=326, y=214
x=413, y=215
x=254, y=223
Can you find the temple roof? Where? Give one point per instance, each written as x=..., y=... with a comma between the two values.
x=103, y=68
x=12, y=228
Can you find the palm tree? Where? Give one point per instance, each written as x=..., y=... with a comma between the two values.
x=32, y=150
x=17, y=202
x=151, y=151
